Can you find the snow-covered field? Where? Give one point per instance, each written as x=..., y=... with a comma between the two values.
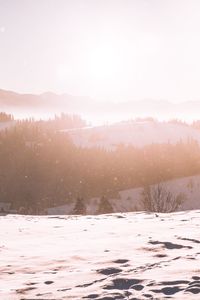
x=119, y=256
x=133, y=133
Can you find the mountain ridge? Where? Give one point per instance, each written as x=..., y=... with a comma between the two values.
x=50, y=102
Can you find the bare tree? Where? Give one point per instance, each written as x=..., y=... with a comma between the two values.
x=159, y=199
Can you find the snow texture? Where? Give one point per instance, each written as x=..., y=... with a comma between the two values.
x=117, y=256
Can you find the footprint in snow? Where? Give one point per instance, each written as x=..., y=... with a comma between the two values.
x=109, y=271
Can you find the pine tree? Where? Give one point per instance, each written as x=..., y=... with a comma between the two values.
x=80, y=207
x=104, y=206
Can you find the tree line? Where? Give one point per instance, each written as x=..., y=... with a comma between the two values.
x=40, y=166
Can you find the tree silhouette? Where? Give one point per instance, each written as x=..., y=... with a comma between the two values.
x=104, y=206
x=159, y=199
x=80, y=207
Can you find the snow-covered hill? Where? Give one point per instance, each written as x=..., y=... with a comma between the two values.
x=130, y=199
x=187, y=186
x=108, y=257
x=133, y=133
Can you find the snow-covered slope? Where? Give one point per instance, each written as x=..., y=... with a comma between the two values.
x=133, y=133
x=187, y=186
x=119, y=256
x=130, y=199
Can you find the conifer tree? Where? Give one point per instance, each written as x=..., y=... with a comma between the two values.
x=80, y=207
x=104, y=206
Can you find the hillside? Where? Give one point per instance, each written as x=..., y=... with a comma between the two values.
x=130, y=199
x=116, y=256
x=133, y=133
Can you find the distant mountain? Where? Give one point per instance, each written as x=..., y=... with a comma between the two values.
x=44, y=105
x=50, y=103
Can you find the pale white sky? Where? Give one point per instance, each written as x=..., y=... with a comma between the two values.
x=106, y=49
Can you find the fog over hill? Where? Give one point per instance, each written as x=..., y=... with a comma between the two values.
x=47, y=104
x=135, y=133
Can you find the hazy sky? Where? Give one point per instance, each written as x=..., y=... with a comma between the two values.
x=107, y=49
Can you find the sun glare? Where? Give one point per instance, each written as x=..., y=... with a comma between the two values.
x=106, y=69
x=104, y=64
x=109, y=68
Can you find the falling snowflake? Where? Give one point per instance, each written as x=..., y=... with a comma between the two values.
x=2, y=29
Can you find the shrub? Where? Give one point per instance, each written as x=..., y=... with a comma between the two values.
x=158, y=199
